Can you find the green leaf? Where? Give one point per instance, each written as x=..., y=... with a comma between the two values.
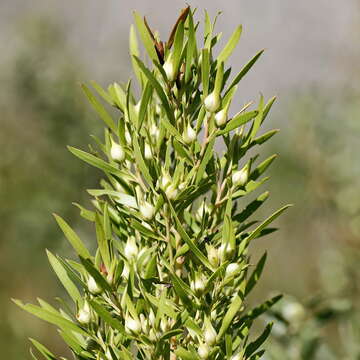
x=262, y=226
x=268, y=107
x=244, y=70
x=107, y=317
x=178, y=45
x=253, y=346
x=103, y=93
x=230, y=46
x=134, y=51
x=191, y=47
x=62, y=274
x=121, y=198
x=205, y=71
x=145, y=36
x=74, y=240
x=145, y=99
x=237, y=121
x=265, y=137
x=209, y=152
x=43, y=350
x=185, y=354
x=103, y=241
x=158, y=88
x=85, y=213
x=229, y=316
x=261, y=309
x=99, y=108
x=51, y=317
x=141, y=162
x=261, y=168
x=194, y=249
x=94, y=161
x=255, y=276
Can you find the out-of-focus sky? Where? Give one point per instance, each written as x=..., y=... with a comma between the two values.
x=307, y=42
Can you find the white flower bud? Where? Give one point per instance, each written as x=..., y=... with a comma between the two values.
x=93, y=287
x=182, y=186
x=209, y=334
x=165, y=181
x=108, y=355
x=198, y=285
x=232, y=269
x=169, y=69
x=132, y=325
x=226, y=251
x=240, y=177
x=202, y=210
x=221, y=117
x=213, y=255
x=126, y=271
x=152, y=317
x=164, y=325
x=147, y=210
x=212, y=102
x=189, y=135
x=131, y=249
x=204, y=351
x=158, y=109
x=147, y=152
x=171, y=192
x=84, y=314
x=154, y=131
x=144, y=324
x=117, y=152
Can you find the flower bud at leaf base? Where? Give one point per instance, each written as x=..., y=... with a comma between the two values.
x=240, y=177
x=169, y=69
x=189, y=135
x=204, y=351
x=209, y=333
x=84, y=314
x=131, y=249
x=132, y=325
x=117, y=152
x=93, y=287
x=212, y=102
x=147, y=210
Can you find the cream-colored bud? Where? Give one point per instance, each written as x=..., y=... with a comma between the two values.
x=154, y=132
x=209, y=334
x=152, y=317
x=144, y=324
x=147, y=152
x=202, y=210
x=169, y=69
x=240, y=177
x=131, y=249
x=198, y=285
x=84, y=314
x=221, y=117
x=108, y=355
x=293, y=312
x=212, y=102
x=165, y=181
x=226, y=251
x=117, y=152
x=164, y=325
x=93, y=287
x=204, y=351
x=147, y=210
x=232, y=269
x=189, y=135
x=171, y=192
x=132, y=325
x=213, y=255
x=182, y=186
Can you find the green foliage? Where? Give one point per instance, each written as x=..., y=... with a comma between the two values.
x=171, y=273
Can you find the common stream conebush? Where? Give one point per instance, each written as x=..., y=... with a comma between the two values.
x=171, y=273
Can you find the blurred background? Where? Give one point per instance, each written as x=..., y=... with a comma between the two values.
x=311, y=63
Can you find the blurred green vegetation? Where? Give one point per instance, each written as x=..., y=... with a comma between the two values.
x=314, y=257
x=42, y=110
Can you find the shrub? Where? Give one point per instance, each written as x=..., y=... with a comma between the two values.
x=171, y=272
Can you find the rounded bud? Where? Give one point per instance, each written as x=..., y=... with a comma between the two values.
x=204, y=351
x=127, y=137
x=132, y=325
x=240, y=177
x=209, y=334
x=93, y=287
x=198, y=285
x=212, y=102
x=171, y=192
x=213, y=256
x=147, y=152
x=147, y=210
x=131, y=249
x=221, y=117
x=236, y=357
x=137, y=108
x=293, y=312
x=232, y=269
x=84, y=314
x=117, y=152
x=189, y=135
x=169, y=69
x=154, y=132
